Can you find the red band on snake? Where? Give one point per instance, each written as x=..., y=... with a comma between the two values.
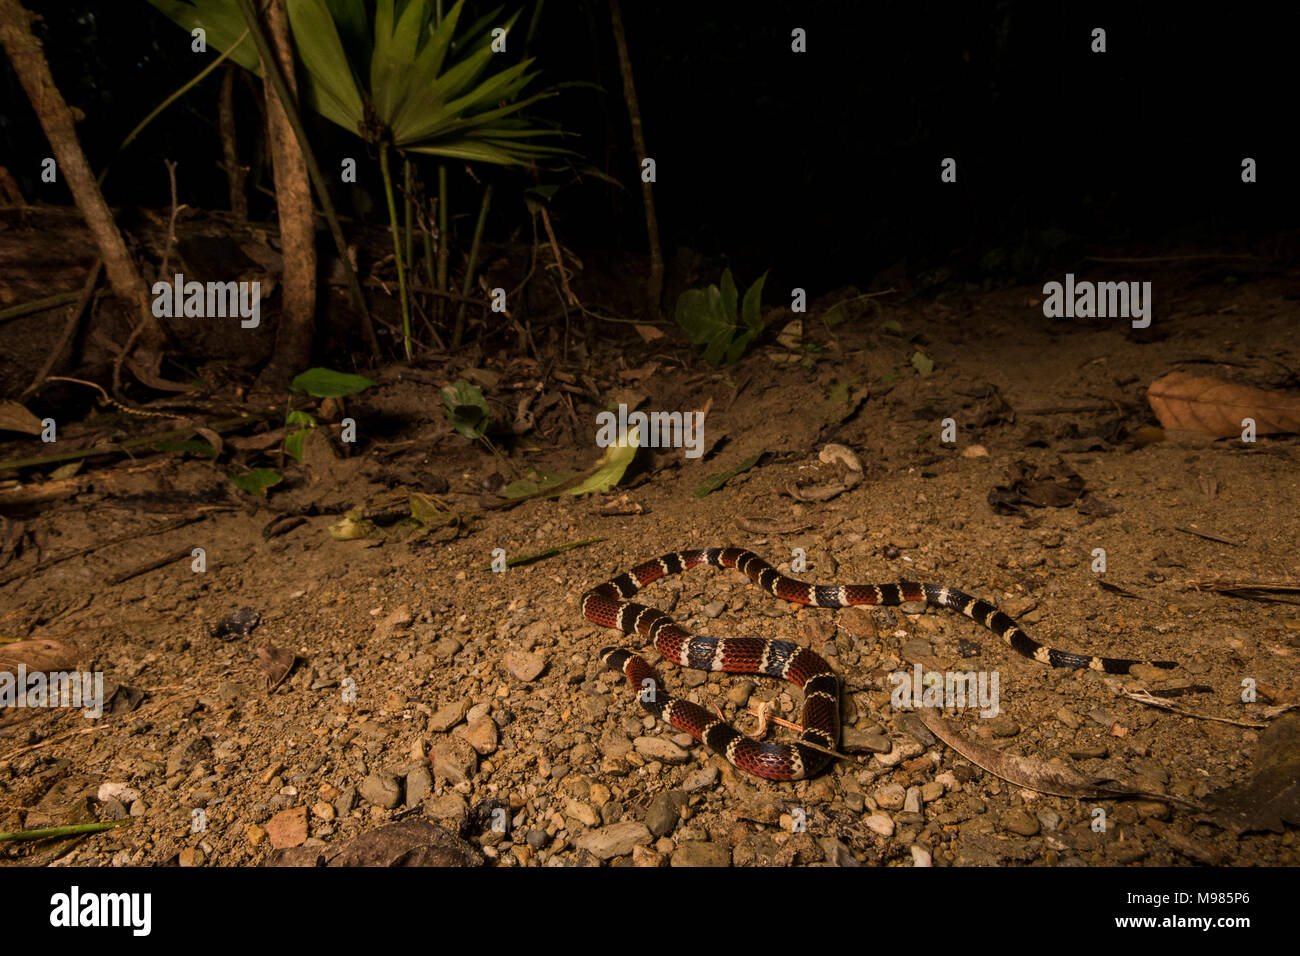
x=608, y=605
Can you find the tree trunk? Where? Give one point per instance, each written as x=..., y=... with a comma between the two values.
x=236, y=172
x=297, y=230
x=28, y=59
x=655, y=287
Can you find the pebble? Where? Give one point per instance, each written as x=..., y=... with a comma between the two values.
x=117, y=791
x=916, y=647
x=381, y=790
x=912, y=804
x=664, y=812
x=853, y=740
x=645, y=857
x=921, y=856
x=448, y=716
x=1050, y=819
x=898, y=753
x=1002, y=726
x=450, y=807
x=523, y=666
x=288, y=828
x=481, y=734
x=617, y=839
x=714, y=608
x=700, y=853
x=739, y=694
x=190, y=856
x=1019, y=822
x=880, y=823
x=323, y=811
x=890, y=797
x=254, y=834
x=419, y=784
x=454, y=760
x=703, y=779
x=657, y=748
x=1069, y=718
x=584, y=813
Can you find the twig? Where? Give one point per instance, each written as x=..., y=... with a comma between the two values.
x=1151, y=700
x=152, y=565
x=120, y=447
x=168, y=242
x=69, y=327
x=1208, y=536
x=129, y=536
x=549, y=552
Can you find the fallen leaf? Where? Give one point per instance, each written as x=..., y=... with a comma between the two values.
x=1271, y=797
x=1210, y=406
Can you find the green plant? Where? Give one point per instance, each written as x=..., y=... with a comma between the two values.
x=404, y=78
x=711, y=318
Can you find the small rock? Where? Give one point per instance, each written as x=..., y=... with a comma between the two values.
x=419, y=784
x=657, y=748
x=448, y=716
x=582, y=812
x=394, y=622
x=664, y=812
x=931, y=790
x=714, y=608
x=450, y=807
x=254, y=834
x=190, y=856
x=523, y=666
x=970, y=451
x=890, y=796
x=912, y=804
x=288, y=828
x=454, y=760
x=617, y=839
x=381, y=790
x=323, y=811
x=880, y=823
x=700, y=853
x=703, y=779
x=1019, y=822
x=117, y=791
x=853, y=740
x=1002, y=726
x=481, y=734
x=921, y=856
x=645, y=857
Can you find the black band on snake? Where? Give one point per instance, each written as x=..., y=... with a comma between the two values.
x=608, y=605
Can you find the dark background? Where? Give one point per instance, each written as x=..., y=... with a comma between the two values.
x=822, y=167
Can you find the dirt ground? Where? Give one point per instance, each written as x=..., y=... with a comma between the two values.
x=427, y=687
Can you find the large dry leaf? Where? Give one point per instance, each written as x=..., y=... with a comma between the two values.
x=1271, y=797
x=1032, y=774
x=16, y=418
x=38, y=655
x=1210, y=406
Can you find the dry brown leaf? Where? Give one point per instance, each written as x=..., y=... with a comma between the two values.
x=16, y=418
x=38, y=655
x=1210, y=406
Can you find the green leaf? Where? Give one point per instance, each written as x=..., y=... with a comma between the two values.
x=257, y=481
x=609, y=470
x=922, y=363
x=715, y=482
x=300, y=418
x=892, y=326
x=222, y=25
x=467, y=409
x=326, y=383
x=331, y=87
x=751, y=308
x=729, y=295
x=538, y=482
